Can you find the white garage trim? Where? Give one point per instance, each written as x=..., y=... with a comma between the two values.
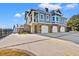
x=54, y=29
x=62, y=29
x=44, y=29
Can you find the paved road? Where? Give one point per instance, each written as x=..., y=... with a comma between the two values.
x=69, y=36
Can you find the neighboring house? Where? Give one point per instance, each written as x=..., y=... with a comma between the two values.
x=43, y=21
x=18, y=28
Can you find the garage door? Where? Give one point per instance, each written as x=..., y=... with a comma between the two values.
x=44, y=29
x=62, y=29
x=54, y=29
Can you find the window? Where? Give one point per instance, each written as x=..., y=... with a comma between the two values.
x=47, y=17
x=53, y=18
x=42, y=16
x=36, y=17
x=56, y=18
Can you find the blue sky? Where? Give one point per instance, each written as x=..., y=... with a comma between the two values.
x=13, y=13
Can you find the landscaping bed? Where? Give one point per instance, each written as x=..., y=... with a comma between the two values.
x=10, y=52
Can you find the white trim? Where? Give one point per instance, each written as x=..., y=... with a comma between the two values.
x=44, y=23
x=41, y=15
x=47, y=19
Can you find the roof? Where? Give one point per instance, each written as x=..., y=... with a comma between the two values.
x=56, y=12
x=37, y=10
x=53, y=12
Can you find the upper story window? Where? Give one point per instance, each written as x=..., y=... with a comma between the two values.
x=57, y=19
x=42, y=16
x=47, y=17
x=53, y=19
x=36, y=18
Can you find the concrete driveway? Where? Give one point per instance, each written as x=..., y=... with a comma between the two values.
x=40, y=45
x=68, y=36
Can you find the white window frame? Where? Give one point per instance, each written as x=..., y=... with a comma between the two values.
x=47, y=19
x=42, y=15
x=57, y=19
x=54, y=19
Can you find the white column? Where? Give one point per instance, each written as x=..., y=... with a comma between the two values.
x=32, y=16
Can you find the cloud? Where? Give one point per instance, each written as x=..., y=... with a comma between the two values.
x=19, y=14
x=50, y=6
x=71, y=6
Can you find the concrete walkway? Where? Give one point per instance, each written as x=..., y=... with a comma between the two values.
x=39, y=45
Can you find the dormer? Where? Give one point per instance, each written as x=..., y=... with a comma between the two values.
x=56, y=12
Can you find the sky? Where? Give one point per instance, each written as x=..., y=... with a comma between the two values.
x=13, y=13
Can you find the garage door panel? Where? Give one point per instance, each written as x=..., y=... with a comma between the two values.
x=62, y=29
x=54, y=29
x=44, y=29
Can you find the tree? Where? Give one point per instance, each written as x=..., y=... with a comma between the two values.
x=73, y=23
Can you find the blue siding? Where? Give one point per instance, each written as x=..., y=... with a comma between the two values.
x=43, y=20
x=61, y=20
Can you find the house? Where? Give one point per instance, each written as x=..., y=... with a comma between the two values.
x=43, y=21
x=18, y=28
